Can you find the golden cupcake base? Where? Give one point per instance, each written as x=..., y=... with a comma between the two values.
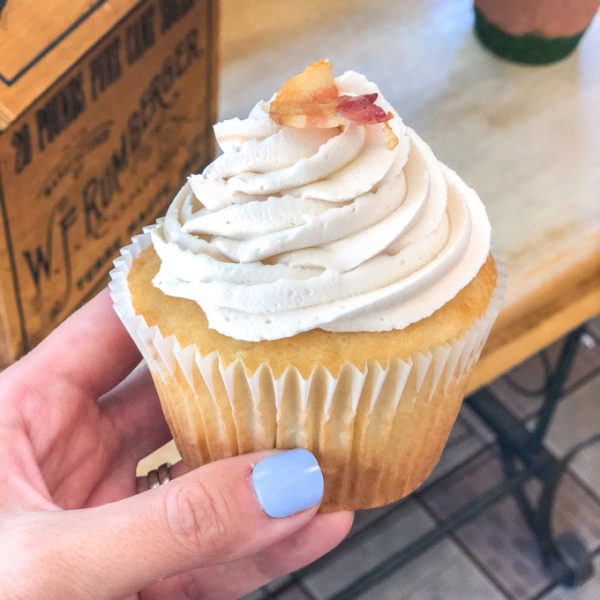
x=375, y=408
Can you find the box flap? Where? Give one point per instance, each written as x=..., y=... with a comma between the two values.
x=39, y=41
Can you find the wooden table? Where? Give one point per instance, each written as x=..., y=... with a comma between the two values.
x=526, y=138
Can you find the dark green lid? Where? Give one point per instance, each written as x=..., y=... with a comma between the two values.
x=529, y=48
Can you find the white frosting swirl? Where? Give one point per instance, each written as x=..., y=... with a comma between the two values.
x=296, y=229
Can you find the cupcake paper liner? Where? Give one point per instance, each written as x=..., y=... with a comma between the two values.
x=377, y=432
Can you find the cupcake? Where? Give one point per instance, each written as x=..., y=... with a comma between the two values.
x=325, y=283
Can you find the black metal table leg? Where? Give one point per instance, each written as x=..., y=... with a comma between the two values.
x=567, y=554
x=510, y=469
x=566, y=548
x=555, y=385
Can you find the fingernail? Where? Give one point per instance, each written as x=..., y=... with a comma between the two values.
x=288, y=482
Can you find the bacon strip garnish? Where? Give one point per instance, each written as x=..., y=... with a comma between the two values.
x=308, y=99
x=311, y=99
x=362, y=109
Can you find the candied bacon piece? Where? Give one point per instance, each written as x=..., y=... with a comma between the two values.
x=308, y=99
x=362, y=109
x=311, y=99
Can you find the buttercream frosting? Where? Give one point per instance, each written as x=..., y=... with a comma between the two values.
x=295, y=229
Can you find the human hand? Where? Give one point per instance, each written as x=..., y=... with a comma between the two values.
x=76, y=416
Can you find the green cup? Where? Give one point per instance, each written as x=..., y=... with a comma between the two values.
x=533, y=31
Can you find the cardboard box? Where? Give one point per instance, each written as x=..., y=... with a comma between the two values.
x=105, y=108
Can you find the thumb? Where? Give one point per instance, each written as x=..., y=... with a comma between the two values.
x=220, y=512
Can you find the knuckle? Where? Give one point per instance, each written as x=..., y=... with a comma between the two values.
x=198, y=518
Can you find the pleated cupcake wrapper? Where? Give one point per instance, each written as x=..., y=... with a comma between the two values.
x=377, y=431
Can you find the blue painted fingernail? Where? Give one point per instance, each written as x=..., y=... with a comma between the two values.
x=288, y=482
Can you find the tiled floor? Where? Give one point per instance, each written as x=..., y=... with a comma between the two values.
x=494, y=556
